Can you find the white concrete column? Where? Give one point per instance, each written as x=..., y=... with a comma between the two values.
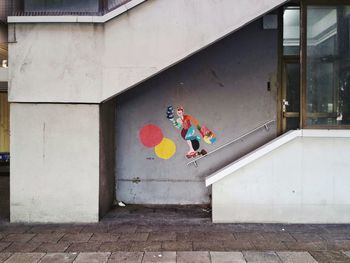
x=54, y=162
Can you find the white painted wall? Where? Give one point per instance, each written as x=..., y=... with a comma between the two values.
x=307, y=180
x=90, y=62
x=56, y=63
x=54, y=163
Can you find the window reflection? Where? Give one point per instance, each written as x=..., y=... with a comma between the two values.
x=291, y=31
x=328, y=67
x=61, y=6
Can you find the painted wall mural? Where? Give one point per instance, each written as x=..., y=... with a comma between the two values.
x=188, y=125
x=152, y=136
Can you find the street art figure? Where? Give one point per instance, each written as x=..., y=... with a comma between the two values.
x=187, y=124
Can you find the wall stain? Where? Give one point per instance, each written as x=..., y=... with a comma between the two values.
x=218, y=81
x=136, y=180
x=44, y=140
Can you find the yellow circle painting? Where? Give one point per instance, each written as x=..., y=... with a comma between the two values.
x=166, y=149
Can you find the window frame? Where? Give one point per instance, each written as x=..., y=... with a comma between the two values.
x=303, y=61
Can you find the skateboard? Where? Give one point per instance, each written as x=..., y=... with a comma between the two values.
x=195, y=154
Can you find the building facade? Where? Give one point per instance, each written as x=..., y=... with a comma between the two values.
x=241, y=105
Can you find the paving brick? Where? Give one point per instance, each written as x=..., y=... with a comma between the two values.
x=100, y=257
x=238, y=245
x=115, y=246
x=330, y=256
x=177, y=246
x=269, y=245
x=25, y=257
x=134, y=237
x=122, y=229
x=162, y=236
x=13, y=229
x=240, y=228
x=296, y=257
x=193, y=257
x=278, y=237
x=84, y=247
x=4, y=256
x=337, y=228
x=261, y=257
x=272, y=228
x=338, y=245
x=205, y=236
x=306, y=246
x=48, y=237
x=209, y=245
x=23, y=238
x=104, y=237
x=146, y=246
x=59, y=258
x=243, y=236
x=4, y=245
x=227, y=257
x=43, y=229
x=22, y=247
x=336, y=236
x=177, y=229
x=53, y=247
x=129, y=257
x=303, y=228
x=161, y=257
x=78, y=237
x=67, y=228
x=148, y=229
x=307, y=237
x=95, y=228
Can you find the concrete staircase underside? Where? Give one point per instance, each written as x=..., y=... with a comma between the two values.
x=90, y=63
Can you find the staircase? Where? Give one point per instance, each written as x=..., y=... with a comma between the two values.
x=299, y=177
x=98, y=58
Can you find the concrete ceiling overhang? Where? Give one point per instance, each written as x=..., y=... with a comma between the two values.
x=93, y=64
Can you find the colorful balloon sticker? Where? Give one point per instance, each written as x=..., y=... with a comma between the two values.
x=151, y=135
x=166, y=149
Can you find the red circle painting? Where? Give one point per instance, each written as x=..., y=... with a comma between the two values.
x=151, y=135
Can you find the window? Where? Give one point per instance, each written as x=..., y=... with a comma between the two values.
x=327, y=66
x=291, y=31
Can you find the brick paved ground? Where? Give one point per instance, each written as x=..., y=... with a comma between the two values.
x=164, y=257
x=175, y=230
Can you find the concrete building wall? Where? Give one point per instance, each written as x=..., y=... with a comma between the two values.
x=54, y=163
x=70, y=56
x=304, y=181
x=107, y=156
x=225, y=88
x=91, y=63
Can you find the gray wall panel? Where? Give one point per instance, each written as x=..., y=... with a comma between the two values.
x=225, y=88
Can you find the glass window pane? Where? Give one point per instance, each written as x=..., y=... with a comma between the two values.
x=291, y=31
x=293, y=87
x=328, y=65
x=292, y=124
x=61, y=6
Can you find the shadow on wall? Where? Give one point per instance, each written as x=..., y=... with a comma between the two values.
x=225, y=88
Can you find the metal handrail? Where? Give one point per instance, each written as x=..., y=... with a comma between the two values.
x=265, y=125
